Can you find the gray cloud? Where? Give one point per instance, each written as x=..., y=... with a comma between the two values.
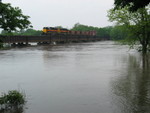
x=65, y=12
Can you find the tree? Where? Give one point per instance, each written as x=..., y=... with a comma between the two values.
x=138, y=23
x=12, y=19
x=31, y=32
x=119, y=32
x=136, y=4
x=105, y=32
x=80, y=27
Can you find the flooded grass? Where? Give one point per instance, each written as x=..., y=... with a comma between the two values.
x=12, y=100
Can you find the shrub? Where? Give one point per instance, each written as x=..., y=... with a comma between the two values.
x=13, y=99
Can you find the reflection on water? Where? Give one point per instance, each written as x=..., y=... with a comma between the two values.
x=97, y=77
x=13, y=110
x=132, y=90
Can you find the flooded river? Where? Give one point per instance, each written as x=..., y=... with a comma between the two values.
x=96, y=77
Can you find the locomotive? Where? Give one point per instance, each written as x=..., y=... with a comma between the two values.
x=55, y=30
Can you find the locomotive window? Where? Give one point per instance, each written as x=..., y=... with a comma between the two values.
x=64, y=29
x=52, y=28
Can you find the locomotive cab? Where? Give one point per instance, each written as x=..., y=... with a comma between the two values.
x=54, y=30
x=45, y=30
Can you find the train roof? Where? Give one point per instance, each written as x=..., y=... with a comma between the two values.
x=49, y=28
x=54, y=28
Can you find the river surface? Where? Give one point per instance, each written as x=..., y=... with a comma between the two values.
x=96, y=77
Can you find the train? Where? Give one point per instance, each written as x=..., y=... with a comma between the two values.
x=55, y=30
x=50, y=30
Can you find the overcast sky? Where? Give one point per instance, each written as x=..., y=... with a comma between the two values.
x=64, y=12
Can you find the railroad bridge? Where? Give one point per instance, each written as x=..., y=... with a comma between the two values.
x=58, y=38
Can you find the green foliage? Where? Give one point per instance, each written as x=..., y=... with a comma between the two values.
x=23, y=32
x=119, y=32
x=12, y=19
x=14, y=98
x=136, y=4
x=105, y=32
x=30, y=32
x=80, y=27
x=136, y=23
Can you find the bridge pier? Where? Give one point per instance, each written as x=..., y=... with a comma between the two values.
x=19, y=44
x=44, y=43
x=27, y=43
x=1, y=44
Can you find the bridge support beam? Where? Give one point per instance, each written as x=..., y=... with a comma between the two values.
x=1, y=44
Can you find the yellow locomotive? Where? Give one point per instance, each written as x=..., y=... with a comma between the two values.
x=54, y=30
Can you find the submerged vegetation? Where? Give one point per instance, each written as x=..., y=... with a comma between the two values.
x=12, y=100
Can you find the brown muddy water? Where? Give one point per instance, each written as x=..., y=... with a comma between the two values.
x=97, y=77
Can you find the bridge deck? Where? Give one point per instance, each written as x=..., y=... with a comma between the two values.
x=48, y=38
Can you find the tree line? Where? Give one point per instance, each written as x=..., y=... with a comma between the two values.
x=28, y=32
x=109, y=32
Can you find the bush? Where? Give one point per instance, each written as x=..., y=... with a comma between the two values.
x=14, y=99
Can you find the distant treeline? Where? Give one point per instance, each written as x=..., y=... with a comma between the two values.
x=110, y=32
x=23, y=32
